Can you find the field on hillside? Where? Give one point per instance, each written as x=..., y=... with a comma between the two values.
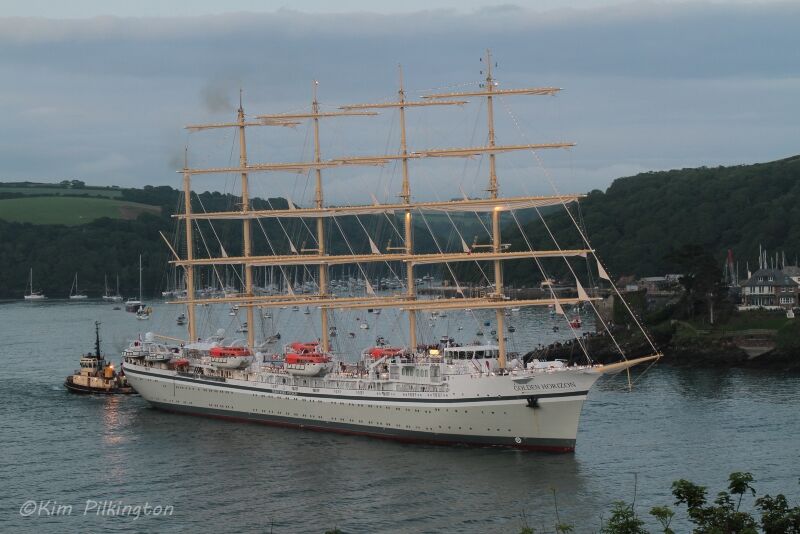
x=56, y=190
x=69, y=210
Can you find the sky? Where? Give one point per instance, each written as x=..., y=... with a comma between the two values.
x=100, y=91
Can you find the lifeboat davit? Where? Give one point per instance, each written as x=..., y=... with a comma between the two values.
x=307, y=363
x=380, y=352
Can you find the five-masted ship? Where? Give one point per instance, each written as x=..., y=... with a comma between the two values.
x=435, y=391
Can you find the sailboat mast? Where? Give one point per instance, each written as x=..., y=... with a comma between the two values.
x=496, y=241
x=246, y=230
x=406, y=196
x=140, y=278
x=187, y=202
x=323, y=268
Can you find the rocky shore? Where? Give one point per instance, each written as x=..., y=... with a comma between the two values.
x=697, y=352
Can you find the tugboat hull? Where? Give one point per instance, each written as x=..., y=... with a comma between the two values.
x=88, y=390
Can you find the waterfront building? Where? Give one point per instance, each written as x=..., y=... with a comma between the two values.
x=770, y=288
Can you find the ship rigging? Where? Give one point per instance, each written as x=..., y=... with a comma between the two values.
x=383, y=391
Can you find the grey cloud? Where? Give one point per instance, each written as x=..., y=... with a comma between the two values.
x=641, y=39
x=648, y=86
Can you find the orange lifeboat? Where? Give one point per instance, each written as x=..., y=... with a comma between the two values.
x=300, y=347
x=227, y=352
x=306, y=358
x=379, y=352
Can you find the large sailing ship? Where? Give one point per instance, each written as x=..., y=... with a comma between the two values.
x=435, y=391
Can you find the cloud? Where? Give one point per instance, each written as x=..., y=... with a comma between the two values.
x=639, y=39
x=648, y=86
x=106, y=164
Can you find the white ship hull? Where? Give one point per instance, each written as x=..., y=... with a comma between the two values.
x=540, y=413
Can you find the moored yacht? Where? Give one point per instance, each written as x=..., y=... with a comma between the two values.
x=31, y=294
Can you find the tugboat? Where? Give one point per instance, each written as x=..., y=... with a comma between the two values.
x=98, y=376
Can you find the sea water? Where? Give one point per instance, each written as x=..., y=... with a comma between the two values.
x=92, y=463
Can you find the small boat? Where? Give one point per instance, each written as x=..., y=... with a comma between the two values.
x=267, y=315
x=487, y=323
x=307, y=311
x=108, y=297
x=181, y=319
x=230, y=357
x=33, y=295
x=143, y=313
x=352, y=334
x=220, y=352
x=379, y=352
x=96, y=375
x=364, y=326
x=514, y=310
x=575, y=323
x=76, y=295
x=242, y=328
x=307, y=363
x=273, y=338
x=512, y=329
x=134, y=305
x=479, y=333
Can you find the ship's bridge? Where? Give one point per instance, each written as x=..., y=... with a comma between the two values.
x=472, y=352
x=471, y=358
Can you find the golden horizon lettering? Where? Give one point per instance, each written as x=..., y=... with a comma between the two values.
x=542, y=387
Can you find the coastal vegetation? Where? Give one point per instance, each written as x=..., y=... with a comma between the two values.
x=724, y=515
x=639, y=223
x=680, y=221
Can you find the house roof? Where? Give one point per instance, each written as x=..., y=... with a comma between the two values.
x=762, y=278
x=791, y=270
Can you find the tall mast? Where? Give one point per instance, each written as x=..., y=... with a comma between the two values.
x=187, y=201
x=140, y=278
x=406, y=196
x=318, y=165
x=246, y=230
x=323, y=268
x=496, y=241
x=405, y=193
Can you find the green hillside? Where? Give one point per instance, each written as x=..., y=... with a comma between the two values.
x=69, y=210
x=636, y=226
x=639, y=221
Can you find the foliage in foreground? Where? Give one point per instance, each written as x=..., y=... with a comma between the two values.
x=772, y=515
